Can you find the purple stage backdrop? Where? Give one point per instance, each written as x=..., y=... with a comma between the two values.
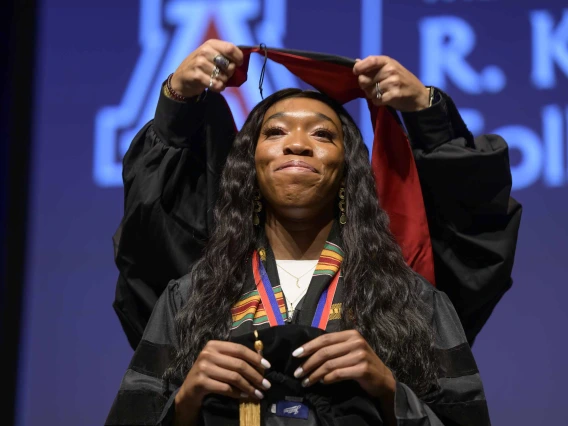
x=99, y=68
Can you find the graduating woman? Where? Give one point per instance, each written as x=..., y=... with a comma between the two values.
x=302, y=307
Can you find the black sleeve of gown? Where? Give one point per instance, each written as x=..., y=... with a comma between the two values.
x=144, y=397
x=170, y=174
x=459, y=399
x=473, y=220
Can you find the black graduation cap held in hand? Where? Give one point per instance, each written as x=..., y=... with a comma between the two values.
x=396, y=176
x=329, y=404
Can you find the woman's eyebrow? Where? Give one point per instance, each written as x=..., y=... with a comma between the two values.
x=284, y=114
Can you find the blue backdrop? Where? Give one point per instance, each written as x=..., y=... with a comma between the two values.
x=100, y=64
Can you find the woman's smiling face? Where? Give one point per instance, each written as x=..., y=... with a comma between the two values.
x=299, y=157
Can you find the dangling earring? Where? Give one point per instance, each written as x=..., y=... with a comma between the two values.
x=257, y=207
x=342, y=217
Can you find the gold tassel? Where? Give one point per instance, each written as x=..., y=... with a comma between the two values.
x=249, y=412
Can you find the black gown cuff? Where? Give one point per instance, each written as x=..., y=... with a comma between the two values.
x=176, y=123
x=169, y=412
x=433, y=126
x=408, y=408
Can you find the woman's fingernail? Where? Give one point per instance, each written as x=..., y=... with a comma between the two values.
x=298, y=351
x=305, y=382
x=266, y=384
x=299, y=372
x=244, y=395
x=258, y=394
x=265, y=363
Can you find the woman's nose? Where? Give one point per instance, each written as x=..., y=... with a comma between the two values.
x=298, y=146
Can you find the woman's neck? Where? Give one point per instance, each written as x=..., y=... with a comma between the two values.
x=292, y=239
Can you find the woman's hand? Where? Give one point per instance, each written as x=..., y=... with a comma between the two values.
x=400, y=89
x=344, y=355
x=222, y=368
x=194, y=74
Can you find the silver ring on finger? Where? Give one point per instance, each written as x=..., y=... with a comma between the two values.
x=221, y=61
x=379, y=93
x=214, y=75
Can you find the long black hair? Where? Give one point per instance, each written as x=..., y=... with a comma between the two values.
x=381, y=292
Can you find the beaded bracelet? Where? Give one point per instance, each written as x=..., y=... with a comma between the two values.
x=175, y=95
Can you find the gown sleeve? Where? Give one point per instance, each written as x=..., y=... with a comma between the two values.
x=170, y=176
x=459, y=399
x=144, y=397
x=473, y=220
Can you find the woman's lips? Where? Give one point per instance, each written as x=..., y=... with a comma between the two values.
x=297, y=165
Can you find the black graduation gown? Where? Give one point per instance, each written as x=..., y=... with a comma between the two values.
x=144, y=398
x=171, y=172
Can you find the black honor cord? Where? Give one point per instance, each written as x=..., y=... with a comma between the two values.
x=263, y=70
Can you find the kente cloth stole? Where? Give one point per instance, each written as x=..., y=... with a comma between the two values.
x=251, y=306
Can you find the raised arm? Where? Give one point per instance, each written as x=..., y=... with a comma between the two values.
x=466, y=186
x=170, y=175
x=473, y=220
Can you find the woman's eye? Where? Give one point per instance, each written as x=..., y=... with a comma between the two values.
x=273, y=131
x=325, y=134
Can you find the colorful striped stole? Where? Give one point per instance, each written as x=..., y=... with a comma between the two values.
x=266, y=303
